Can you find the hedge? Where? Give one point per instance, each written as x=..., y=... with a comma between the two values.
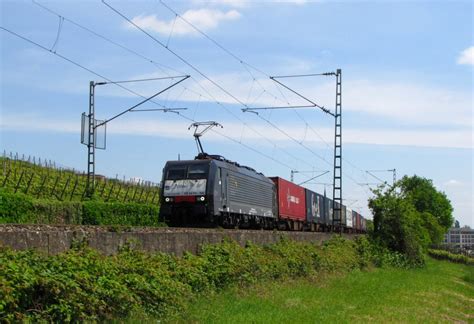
x=22, y=209
x=445, y=255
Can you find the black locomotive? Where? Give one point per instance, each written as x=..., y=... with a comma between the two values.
x=211, y=190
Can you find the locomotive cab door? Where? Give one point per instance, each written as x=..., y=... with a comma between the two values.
x=222, y=176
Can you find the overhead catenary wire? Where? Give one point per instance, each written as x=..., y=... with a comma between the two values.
x=178, y=56
x=198, y=71
x=131, y=51
x=87, y=68
x=160, y=66
x=246, y=65
x=137, y=94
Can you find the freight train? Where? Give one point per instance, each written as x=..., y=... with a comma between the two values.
x=212, y=191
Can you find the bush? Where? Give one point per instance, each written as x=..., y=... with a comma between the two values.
x=82, y=285
x=133, y=214
x=22, y=209
x=445, y=255
x=19, y=208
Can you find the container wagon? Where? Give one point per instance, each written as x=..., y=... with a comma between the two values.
x=315, y=216
x=291, y=204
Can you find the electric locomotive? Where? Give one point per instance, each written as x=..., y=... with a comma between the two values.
x=211, y=190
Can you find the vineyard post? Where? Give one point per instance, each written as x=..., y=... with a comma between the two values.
x=40, y=189
x=154, y=195
x=135, y=191
x=74, y=188
x=148, y=194
x=64, y=188
x=103, y=188
x=29, y=182
x=110, y=191
x=19, y=180
x=118, y=191
x=141, y=193
x=6, y=177
x=55, y=183
x=126, y=193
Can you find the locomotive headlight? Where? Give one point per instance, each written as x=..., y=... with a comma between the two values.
x=167, y=199
x=202, y=198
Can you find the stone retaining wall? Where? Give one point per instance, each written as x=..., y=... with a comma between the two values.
x=108, y=240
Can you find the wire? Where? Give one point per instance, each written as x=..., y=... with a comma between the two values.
x=203, y=75
x=137, y=94
x=246, y=65
x=159, y=66
x=60, y=26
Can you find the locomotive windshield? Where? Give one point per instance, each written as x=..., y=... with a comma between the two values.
x=198, y=171
x=176, y=173
x=192, y=171
x=186, y=179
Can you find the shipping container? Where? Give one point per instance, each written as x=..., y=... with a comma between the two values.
x=328, y=211
x=358, y=219
x=363, y=223
x=291, y=200
x=343, y=214
x=314, y=207
x=349, y=223
x=354, y=219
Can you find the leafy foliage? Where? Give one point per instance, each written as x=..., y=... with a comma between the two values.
x=82, y=285
x=445, y=255
x=21, y=208
x=427, y=199
x=410, y=216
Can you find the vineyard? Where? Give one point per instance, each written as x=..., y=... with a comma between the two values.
x=42, y=179
x=38, y=191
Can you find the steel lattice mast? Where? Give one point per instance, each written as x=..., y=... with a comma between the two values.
x=337, y=175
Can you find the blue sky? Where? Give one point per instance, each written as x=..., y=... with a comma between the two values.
x=407, y=87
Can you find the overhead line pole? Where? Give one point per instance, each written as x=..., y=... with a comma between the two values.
x=337, y=176
x=93, y=124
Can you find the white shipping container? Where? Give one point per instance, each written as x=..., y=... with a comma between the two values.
x=349, y=217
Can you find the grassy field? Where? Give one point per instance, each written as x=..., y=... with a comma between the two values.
x=440, y=292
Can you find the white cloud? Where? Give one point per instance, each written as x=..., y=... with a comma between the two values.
x=204, y=19
x=452, y=183
x=247, y=3
x=178, y=129
x=230, y=3
x=467, y=56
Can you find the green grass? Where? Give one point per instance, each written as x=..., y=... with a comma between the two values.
x=440, y=292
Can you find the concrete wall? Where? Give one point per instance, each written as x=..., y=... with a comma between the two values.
x=56, y=239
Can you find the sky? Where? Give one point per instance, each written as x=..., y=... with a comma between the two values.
x=407, y=87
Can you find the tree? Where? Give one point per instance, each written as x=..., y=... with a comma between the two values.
x=410, y=216
x=398, y=225
x=426, y=198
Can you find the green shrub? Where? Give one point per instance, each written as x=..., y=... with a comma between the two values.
x=445, y=255
x=102, y=213
x=82, y=285
x=15, y=208
x=22, y=209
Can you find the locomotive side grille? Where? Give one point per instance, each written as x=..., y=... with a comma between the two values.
x=250, y=191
